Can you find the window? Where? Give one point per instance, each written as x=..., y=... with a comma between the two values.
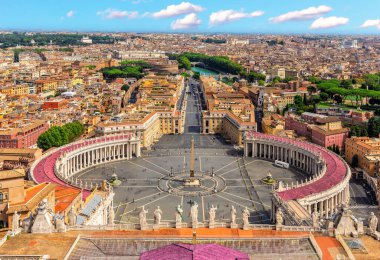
x=1, y=196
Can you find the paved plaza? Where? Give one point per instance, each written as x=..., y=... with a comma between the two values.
x=226, y=177
x=141, y=177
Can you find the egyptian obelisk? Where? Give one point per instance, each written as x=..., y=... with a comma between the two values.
x=192, y=159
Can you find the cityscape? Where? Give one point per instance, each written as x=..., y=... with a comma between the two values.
x=190, y=130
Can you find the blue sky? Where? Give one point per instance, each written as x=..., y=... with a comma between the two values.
x=235, y=16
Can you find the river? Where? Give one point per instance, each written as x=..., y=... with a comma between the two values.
x=203, y=71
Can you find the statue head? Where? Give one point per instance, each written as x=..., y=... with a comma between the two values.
x=372, y=214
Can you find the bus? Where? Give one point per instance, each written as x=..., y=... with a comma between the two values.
x=281, y=164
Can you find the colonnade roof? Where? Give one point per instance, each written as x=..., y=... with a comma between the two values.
x=43, y=170
x=335, y=167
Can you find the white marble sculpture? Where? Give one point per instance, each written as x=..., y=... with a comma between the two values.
x=111, y=216
x=212, y=215
x=233, y=217
x=72, y=217
x=372, y=223
x=178, y=216
x=315, y=219
x=42, y=223
x=15, y=222
x=142, y=217
x=157, y=218
x=279, y=217
x=246, y=218
x=194, y=214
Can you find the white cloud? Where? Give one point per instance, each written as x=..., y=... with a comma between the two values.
x=117, y=14
x=371, y=23
x=176, y=10
x=305, y=14
x=190, y=21
x=226, y=16
x=328, y=22
x=70, y=14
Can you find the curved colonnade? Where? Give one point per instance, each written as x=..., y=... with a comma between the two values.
x=327, y=186
x=61, y=164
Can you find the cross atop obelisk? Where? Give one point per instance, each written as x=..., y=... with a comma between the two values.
x=192, y=159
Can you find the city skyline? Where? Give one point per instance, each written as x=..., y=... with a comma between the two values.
x=296, y=17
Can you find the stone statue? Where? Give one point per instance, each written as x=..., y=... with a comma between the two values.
x=60, y=225
x=246, y=217
x=372, y=223
x=157, y=216
x=178, y=216
x=142, y=217
x=194, y=214
x=233, y=215
x=111, y=216
x=212, y=215
x=315, y=219
x=42, y=223
x=279, y=217
x=72, y=217
x=15, y=222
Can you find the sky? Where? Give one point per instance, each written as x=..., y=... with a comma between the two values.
x=194, y=16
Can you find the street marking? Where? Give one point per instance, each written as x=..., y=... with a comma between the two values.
x=146, y=168
x=241, y=205
x=234, y=161
x=156, y=165
x=141, y=198
x=260, y=203
x=148, y=203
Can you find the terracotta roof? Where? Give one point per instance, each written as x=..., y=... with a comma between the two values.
x=10, y=174
x=33, y=196
x=64, y=197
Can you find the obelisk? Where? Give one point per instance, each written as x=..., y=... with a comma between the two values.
x=192, y=159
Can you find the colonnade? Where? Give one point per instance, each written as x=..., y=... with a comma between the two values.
x=296, y=157
x=88, y=156
x=326, y=202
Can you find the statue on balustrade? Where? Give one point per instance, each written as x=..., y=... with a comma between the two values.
x=194, y=213
x=279, y=217
x=212, y=214
x=315, y=219
x=157, y=216
x=246, y=215
x=15, y=222
x=142, y=217
x=72, y=217
x=372, y=223
x=111, y=216
x=178, y=215
x=233, y=216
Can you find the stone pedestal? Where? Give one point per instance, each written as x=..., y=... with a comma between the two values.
x=234, y=225
x=178, y=225
x=156, y=227
x=246, y=227
x=194, y=225
x=279, y=227
x=211, y=224
x=143, y=227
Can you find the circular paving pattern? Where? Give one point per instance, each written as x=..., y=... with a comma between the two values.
x=204, y=185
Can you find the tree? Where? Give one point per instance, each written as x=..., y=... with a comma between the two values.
x=297, y=100
x=338, y=99
x=373, y=127
x=261, y=83
x=57, y=136
x=125, y=87
x=196, y=75
x=355, y=161
x=324, y=96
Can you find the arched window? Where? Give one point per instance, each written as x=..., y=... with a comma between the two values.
x=1, y=196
